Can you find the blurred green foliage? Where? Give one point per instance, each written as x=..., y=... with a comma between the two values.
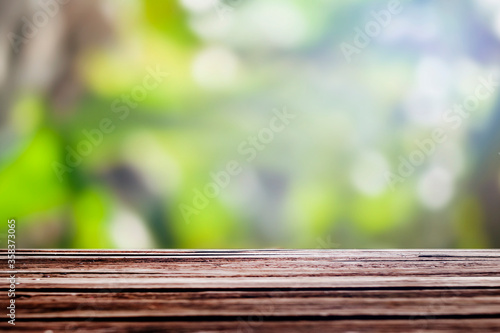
x=230, y=64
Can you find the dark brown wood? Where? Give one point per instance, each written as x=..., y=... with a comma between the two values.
x=256, y=291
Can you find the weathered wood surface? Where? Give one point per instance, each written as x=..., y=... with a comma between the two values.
x=255, y=291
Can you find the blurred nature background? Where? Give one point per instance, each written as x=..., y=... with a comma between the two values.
x=319, y=183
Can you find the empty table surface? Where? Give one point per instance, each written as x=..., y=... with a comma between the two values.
x=254, y=291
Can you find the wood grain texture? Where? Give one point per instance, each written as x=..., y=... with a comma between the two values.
x=255, y=291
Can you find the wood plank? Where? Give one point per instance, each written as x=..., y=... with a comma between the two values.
x=257, y=290
x=256, y=325
x=377, y=254
x=236, y=282
x=445, y=302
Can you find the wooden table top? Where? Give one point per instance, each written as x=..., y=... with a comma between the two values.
x=255, y=291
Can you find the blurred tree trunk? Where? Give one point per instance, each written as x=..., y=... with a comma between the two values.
x=486, y=187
